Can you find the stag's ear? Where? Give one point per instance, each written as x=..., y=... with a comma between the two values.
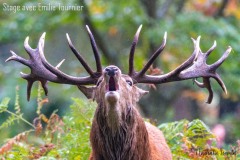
x=142, y=92
x=139, y=93
x=87, y=91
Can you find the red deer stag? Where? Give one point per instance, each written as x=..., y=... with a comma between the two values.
x=118, y=131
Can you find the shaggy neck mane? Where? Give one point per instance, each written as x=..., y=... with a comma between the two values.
x=128, y=141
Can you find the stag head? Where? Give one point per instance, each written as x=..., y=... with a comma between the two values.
x=114, y=85
x=110, y=81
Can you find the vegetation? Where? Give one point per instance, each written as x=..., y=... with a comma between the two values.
x=194, y=140
x=49, y=137
x=68, y=137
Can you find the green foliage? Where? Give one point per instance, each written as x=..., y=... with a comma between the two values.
x=198, y=133
x=17, y=116
x=10, y=121
x=65, y=139
x=4, y=104
x=75, y=142
x=17, y=105
x=68, y=138
x=194, y=140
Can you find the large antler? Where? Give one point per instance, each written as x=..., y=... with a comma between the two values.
x=195, y=66
x=43, y=71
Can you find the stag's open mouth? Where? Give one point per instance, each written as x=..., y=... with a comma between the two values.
x=112, y=87
x=112, y=84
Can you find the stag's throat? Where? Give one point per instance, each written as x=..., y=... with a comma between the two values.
x=113, y=111
x=114, y=120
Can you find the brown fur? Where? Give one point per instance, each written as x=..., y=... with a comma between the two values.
x=119, y=132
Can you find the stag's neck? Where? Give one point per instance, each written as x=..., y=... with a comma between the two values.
x=117, y=135
x=113, y=118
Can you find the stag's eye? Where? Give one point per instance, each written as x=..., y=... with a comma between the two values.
x=129, y=82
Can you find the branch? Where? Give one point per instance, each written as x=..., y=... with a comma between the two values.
x=164, y=9
x=150, y=7
x=220, y=12
x=180, y=5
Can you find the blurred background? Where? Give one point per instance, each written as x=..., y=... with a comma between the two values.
x=114, y=24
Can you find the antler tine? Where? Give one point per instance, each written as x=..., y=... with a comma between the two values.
x=58, y=73
x=29, y=88
x=17, y=58
x=27, y=47
x=60, y=63
x=31, y=79
x=154, y=56
x=79, y=57
x=44, y=60
x=220, y=82
x=211, y=49
x=222, y=59
x=206, y=84
x=190, y=60
x=95, y=50
x=132, y=51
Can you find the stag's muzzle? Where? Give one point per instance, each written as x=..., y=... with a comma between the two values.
x=112, y=74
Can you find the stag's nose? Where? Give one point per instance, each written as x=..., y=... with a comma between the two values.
x=111, y=71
